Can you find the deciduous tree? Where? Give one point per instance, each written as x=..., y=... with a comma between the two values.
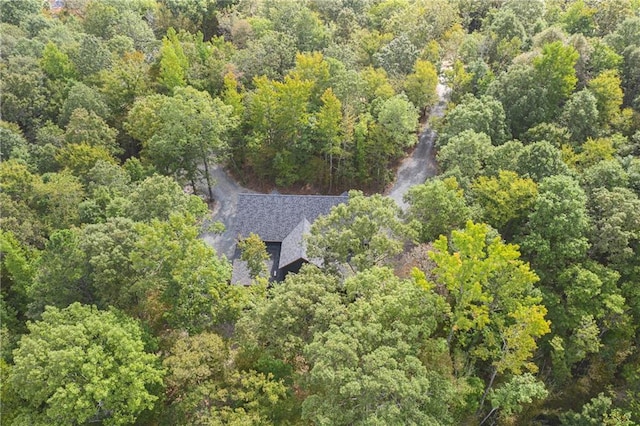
x=438, y=206
x=555, y=235
x=608, y=93
x=496, y=316
x=506, y=200
x=368, y=367
x=81, y=365
x=421, y=85
x=555, y=70
x=254, y=252
x=482, y=115
x=364, y=232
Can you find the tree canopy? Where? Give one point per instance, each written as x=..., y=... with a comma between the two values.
x=504, y=291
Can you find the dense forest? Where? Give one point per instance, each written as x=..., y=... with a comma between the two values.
x=507, y=293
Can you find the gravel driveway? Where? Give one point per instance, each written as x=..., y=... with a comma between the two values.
x=413, y=170
x=421, y=164
x=225, y=194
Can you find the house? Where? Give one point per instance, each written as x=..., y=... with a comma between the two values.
x=281, y=221
x=56, y=5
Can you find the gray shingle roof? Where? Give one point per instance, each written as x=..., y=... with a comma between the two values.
x=293, y=246
x=274, y=216
x=240, y=273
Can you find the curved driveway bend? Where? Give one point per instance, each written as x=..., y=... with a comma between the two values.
x=413, y=170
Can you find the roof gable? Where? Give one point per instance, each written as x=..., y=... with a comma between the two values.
x=293, y=245
x=273, y=216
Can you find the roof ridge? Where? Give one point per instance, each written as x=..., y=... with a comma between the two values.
x=293, y=195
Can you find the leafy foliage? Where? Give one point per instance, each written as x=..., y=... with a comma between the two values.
x=114, y=112
x=79, y=364
x=362, y=233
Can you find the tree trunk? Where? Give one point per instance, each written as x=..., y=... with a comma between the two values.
x=193, y=185
x=330, y=172
x=486, y=391
x=208, y=177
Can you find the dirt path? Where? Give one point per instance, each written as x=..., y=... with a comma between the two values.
x=421, y=164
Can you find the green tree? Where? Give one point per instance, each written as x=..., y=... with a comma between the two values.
x=88, y=128
x=157, y=197
x=555, y=235
x=173, y=62
x=398, y=56
x=271, y=55
x=181, y=132
x=92, y=57
x=85, y=97
x=606, y=87
x=99, y=19
x=506, y=37
x=523, y=97
x=540, y=160
x=364, y=232
x=504, y=157
x=329, y=129
x=61, y=278
x=399, y=119
x=580, y=116
x=615, y=225
x=79, y=364
x=556, y=135
x=56, y=199
x=420, y=85
x=18, y=218
x=555, y=70
x=279, y=123
x=205, y=386
x=631, y=75
x=605, y=174
x=579, y=18
x=254, y=252
x=598, y=411
x=12, y=142
x=377, y=84
x=286, y=321
x=496, y=315
x=24, y=96
x=299, y=22
x=512, y=397
x=482, y=115
x=17, y=269
x=192, y=15
x=438, y=206
x=186, y=284
x=16, y=12
x=312, y=67
x=369, y=367
x=80, y=158
x=56, y=64
x=127, y=79
x=506, y=200
x=465, y=156
x=591, y=325
x=603, y=57
x=131, y=24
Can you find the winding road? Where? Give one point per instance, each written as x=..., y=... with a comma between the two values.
x=421, y=164
x=413, y=170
